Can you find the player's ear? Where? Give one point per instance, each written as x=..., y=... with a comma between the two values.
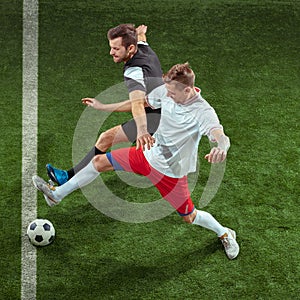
x=187, y=90
x=131, y=49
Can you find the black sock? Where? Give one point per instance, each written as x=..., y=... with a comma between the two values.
x=84, y=162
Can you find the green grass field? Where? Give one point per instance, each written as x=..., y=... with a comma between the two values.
x=246, y=58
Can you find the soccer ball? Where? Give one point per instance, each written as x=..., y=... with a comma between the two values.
x=41, y=232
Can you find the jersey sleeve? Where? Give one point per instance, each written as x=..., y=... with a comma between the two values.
x=134, y=79
x=155, y=97
x=209, y=122
x=142, y=43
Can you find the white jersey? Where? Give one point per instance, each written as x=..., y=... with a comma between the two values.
x=177, y=138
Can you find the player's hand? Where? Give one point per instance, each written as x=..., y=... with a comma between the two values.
x=142, y=29
x=92, y=102
x=216, y=155
x=145, y=140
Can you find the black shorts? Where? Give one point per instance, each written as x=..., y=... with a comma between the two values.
x=153, y=118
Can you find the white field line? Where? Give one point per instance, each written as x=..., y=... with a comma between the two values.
x=29, y=143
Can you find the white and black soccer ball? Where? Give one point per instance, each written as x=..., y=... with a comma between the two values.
x=41, y=232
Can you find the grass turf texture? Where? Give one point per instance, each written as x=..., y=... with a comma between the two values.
x=10, y=147
x=246, y=58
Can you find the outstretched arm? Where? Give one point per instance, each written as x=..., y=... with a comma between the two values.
x=123, y=106
x=219, y=153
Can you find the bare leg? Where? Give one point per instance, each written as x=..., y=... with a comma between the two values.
x=106, y=139
x=102, y=164
x=111, y=137
x=191, y=217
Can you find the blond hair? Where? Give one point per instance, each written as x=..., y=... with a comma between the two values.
x=181, y=75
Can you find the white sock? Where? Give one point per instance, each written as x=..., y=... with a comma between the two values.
x=81, y=179
x=206, y=220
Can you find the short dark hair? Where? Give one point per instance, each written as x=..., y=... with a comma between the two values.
x=126, y=31
x=180, y=74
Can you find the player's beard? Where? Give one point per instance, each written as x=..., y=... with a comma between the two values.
x=117, y=59
x=124, y=58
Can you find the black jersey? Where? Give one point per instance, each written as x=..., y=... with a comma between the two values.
x=143, y=71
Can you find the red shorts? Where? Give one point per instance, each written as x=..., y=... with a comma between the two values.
x=174, y=190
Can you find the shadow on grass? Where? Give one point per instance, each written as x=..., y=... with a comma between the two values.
x=118, y=260
x=112, y=278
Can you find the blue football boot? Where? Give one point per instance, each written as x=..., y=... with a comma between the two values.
x=56, y=175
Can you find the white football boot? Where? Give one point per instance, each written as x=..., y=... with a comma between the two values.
x=46, y=189
x=230, y=244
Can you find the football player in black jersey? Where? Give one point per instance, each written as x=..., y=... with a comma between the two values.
x=142, y=73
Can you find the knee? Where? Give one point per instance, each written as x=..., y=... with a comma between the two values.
x=98, y=162
x=101, y=163
x=190, y=218
x=104, y=140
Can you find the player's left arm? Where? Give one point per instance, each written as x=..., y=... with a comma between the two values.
x=218, y=153
x=138, y=102
x=141, y=33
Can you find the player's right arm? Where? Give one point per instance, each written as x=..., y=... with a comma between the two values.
x=124, y=106
x=138, y=102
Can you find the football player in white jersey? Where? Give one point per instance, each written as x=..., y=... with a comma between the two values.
x=185, y=118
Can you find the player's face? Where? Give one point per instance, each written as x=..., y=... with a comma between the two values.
x=117, y=50
x=178, y=95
